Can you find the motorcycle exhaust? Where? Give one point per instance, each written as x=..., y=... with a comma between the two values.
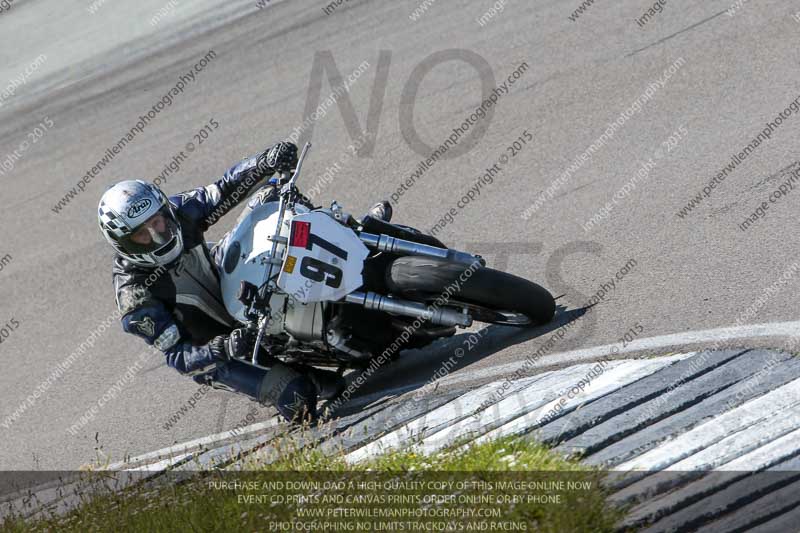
x=443, y=317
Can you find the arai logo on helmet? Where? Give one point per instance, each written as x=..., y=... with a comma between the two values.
x=139, y=207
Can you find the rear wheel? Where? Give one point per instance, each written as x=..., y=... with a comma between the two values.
x=490, y=295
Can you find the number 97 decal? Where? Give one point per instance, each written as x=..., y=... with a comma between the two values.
x=324, y=260
x=316, y=270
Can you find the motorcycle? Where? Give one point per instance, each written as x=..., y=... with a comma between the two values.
x=324, y=288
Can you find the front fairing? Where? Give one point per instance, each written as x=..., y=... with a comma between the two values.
x=245, y=254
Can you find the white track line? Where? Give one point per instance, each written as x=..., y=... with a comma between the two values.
x=449, y=413
x=719, y=336
x=756, y=460
x=192, y=445
x=610, y=381
x=724, y=426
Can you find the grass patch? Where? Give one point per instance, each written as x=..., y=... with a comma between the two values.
x=456, y=481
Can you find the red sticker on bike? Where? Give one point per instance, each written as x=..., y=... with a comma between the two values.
x=300, y=233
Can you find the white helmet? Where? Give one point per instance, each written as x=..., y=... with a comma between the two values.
x=137, y=219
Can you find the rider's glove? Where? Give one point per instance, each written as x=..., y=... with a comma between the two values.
x=238, y=344
x=281, y=157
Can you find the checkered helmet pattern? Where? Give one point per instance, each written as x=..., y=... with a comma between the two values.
x=126, y=206
x=110, y=222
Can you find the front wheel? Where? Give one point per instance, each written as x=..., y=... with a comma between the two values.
x=490, y=295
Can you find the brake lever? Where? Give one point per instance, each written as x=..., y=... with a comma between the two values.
x=262, y=326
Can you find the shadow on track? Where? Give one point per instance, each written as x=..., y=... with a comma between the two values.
x=416, y=368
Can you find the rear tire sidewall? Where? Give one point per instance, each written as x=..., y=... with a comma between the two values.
x=426, y=278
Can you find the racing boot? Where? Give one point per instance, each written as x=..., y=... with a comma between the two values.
x=292, y=393
x=381, y=211
x=329, y=384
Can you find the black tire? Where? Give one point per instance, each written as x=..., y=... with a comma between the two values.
x=425, y=278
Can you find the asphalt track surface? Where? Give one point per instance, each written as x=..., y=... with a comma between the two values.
x=104, y=70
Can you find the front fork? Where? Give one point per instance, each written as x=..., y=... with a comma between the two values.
x=385, y=243
x=398, y=306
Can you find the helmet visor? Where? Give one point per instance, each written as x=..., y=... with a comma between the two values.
x=157, y=232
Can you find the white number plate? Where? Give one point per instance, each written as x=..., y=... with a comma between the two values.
x=324, y=260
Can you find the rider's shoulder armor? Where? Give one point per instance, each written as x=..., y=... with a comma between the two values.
x=189, y=288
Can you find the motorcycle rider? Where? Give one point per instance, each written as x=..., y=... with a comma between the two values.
x=167, y=282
